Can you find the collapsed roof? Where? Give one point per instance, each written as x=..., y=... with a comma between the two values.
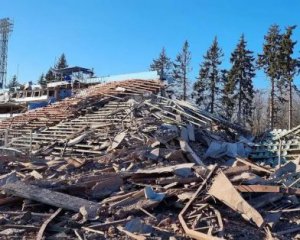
x=119, y=160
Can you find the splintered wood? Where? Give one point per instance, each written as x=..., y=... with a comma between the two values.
x=52, y=198
x=119, y=161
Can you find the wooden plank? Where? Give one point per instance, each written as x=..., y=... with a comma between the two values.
x=92, y=230
x=191, y=155
x=130, y=234
x=52, y=198
x=268, y=188
x=106, y=225
x=223, y=190
x=241, y=162
x=236, y=170
x=258, y=188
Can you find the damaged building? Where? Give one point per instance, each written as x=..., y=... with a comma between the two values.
x=120, y=160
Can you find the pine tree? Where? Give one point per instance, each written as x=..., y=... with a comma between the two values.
x=207, y=87
x=201, y=87
x=62, y=62
x=181, y=70
x=49, y=77
x=162, y=65
x=228, y=102
x=269, y=61
x=42, y=80
x=13, y=83
x=240, y=76
x=289, y=66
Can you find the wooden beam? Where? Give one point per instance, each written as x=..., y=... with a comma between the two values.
x=268, y=188
x=52, y=198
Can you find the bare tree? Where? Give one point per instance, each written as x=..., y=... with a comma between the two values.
x=259, y=114
x=181, y=70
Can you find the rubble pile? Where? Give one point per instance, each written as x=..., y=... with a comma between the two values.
x=136, y=165
x=277, y=147
x=72, y=107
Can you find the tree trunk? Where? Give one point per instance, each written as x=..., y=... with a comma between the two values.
x=272, y=105
x=240, y=103
x=184, y=83
x=212, y=97
x=290, y=104
x=184, y=88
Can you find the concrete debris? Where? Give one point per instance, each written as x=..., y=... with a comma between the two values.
x=150, y=194
x=219, y=149
x=136, y=226
x=120, y=161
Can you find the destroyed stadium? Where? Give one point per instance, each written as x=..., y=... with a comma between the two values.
x=121, y=160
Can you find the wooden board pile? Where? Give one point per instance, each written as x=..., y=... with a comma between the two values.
x=131, y=166
x=71, y=107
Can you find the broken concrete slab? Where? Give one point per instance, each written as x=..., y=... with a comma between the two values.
x=218, y=149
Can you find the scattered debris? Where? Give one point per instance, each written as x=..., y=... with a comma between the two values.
x=121, y=161
x=44, y=225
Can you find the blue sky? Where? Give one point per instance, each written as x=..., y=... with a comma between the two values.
x=123, y=36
